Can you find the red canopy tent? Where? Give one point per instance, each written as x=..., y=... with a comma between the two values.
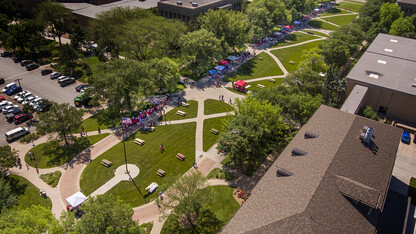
x=239, y=85
x=305, y=16
x=288, y=26
x=223, y=62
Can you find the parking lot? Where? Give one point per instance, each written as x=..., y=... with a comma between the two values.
x=37, y=84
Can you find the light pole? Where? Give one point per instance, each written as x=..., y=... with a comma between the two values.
x=125, y=155
x=18, y=80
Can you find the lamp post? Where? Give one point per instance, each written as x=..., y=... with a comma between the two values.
x=125, y=155
x=18, y=80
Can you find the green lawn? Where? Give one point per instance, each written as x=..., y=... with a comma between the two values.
x=341, y=20
x=294, y=38
x=266, y=83
x=92, y=124
x=212, y=106
x=50, y=154
x=334, y=11
x=208, y=137
x=316, y=32
x=51, y=178
x=92, y=63
x=28, y=194
x=350, y=6
x=322, y=25
x=223, y=206
x=256, y=68
x=191, y=112
x=176, y=138
x=295, y=54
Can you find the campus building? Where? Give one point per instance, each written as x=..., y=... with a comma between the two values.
x=408, y=6
x=333, y=177
x=189, y=10
x=387, y=70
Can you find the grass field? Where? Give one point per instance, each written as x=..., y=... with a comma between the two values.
x=28, y=194
x=266, y=83
x=334, y=11
x=322, y=25
x=350, y=6
x=295, y=54
x=208, y=137
x=176, y=138
x=316, y=32
x=294, y=38
x=256, y=68
x=341, y=20
x=92, y=63
x=191, y=112
x=223, y=206
x=212, y=106
x=51, y=154
x=358, y=2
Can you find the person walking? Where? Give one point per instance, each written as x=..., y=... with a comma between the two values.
x=99, y=130
x=27, y=166
x=161, y=148
x=30, y=156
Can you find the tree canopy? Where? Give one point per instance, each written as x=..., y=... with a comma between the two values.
x=402, y=26
x=164, y=73
x=389, y=12
x=8, y=157
x=7, y=197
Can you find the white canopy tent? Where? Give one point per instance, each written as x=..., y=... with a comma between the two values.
x=77, y=199
x=232, y=58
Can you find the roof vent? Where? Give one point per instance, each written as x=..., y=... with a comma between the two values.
x=381, y=61
x=195, y=4
x=178, y=2
x=388, y=50
x=311, y=135
x=283, y=173
x=298, y=152
x=375, y=76
x=392, y=40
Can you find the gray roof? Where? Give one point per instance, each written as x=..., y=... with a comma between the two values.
x=413, y=2
x=188, y=3
x=91, y=10
x=332, y=187
x=353, y=102
x=389, y=62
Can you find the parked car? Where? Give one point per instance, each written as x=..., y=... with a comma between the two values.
x=2, y=98
x=67, y=82
x=20, y=94
x=10, y=117
x=81, y=87
x=16, y=133
x=22, y=98
x=4, y=104
x=55, y=75
x=25, y=62
x=45, y=72
x=7, y=87
x=32, y=66
x=28, y=100
x=6, y=54
x=20, y=118
x=37, y=100
x=9, y=109
x=17, y=59
x=406, y=137
x=13, y=90
x=61, y=78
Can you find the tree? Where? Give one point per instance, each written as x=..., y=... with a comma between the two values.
x=336, y=52
x=368, y=112
x=402, y=26
x=228, y=26
x=314, y=60
x=186, y=200
x=78, y=36
x=68, y=57
x=277, y=9
x=25, y=34
x=371, y=9
x=61, y=119
x=7, y=198
x=389, y=12
x=374, y=30
x=334, y=88
x=164, y=73
x=305, y=80
x=8, y=157
x=36, y=219
x=103, y=214
x=121, y=80
x=201, y=47
x=260, y=21
x=57, y=18
x=7, y=8
x=351, y=33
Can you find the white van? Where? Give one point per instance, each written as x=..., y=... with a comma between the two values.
x=16, y=133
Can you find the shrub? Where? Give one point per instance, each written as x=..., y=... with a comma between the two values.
x=29, y=138
x=51, y=178
x=368, y=112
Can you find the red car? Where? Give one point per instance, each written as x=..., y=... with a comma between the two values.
x=2, y=98
x=21, y=118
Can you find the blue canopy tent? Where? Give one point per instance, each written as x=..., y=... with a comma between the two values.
x=296, y=22
x=212, y=72
x=219, y=68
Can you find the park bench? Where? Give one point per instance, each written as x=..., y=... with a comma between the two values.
x=139, y=141
x=248, y=86
x=180, y=156
x=260, y=86
x=161, y=172
x=106, y=163
x=184, y=104
x=292, y=62
x=215, y=131
x=272, y=80
x=181, y=113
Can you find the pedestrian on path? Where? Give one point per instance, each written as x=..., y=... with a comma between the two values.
x=99, y=130
x=37, y=169
x=219, y=98
x=30, y=156
x=27, y=166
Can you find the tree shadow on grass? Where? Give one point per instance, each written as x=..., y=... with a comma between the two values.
x=18, y=189
x=333, y=10
x=59, y=154
x=291, y=37
x=244, y=70
x=315, y=24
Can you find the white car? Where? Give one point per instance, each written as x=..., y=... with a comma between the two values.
x=7, y=87
x=8, y=108
x=20, y=94
x=61, y=78
x=3, y=104
x=29, y=100
x=22, y=98
x=37, y=100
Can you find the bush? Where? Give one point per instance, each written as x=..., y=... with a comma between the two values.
x=51, y=178
x=368, y=112
x=147, y=227
x=29, y=138
x=220, y=174
x=412, y=190
x=78, y=74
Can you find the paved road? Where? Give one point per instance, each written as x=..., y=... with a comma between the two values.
x=33, y=81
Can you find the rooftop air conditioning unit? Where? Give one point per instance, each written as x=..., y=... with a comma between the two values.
x=178, y=2
x=195, y=4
